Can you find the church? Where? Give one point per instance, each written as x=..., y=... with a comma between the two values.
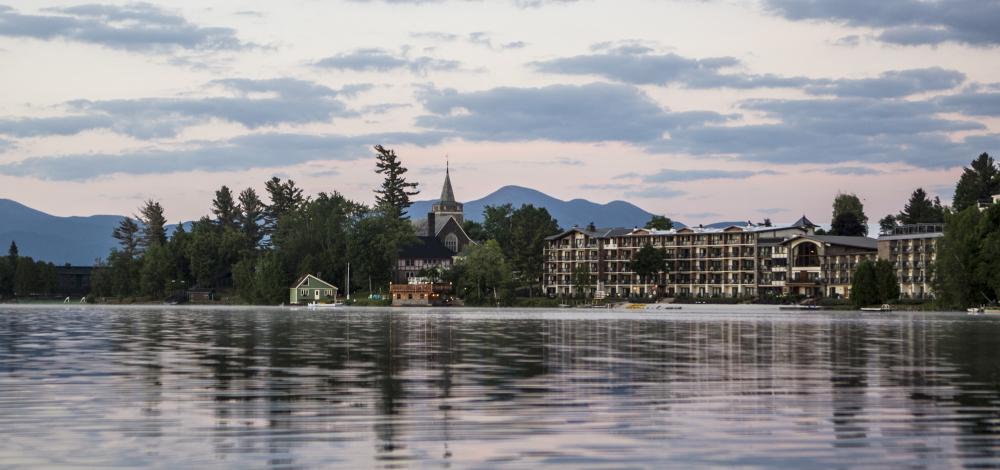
x=440, y=237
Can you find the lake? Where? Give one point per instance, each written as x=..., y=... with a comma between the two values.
x=354, y=388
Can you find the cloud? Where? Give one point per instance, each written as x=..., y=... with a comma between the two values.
x=381, y=60
x=136, y=27
x=654, y=193
x=904, y=22
x=852, y=171
x=253, y=104
x=241, y=153
x=595, y=112
x=479, y=38
x=607, y=187
x=669, y=175
x=517, y=3
x=838, y=131
x=972, y=103
x=637, y=64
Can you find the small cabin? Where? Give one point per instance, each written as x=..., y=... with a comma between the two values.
x=310, y=288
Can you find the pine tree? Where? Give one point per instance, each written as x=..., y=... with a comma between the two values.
x=921, y=210
x=978, y=182
x=154, y=232
x=250, y=213
x=285, y=198
x=127, y=235
x=393, y=197
x=224, y=208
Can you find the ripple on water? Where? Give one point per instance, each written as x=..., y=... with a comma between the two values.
x=360, y=388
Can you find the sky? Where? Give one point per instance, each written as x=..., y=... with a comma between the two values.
x=700, y=110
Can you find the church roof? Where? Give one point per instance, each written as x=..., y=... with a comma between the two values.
x=447, y=194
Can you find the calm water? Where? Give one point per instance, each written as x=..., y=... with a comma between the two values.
x=186, y=388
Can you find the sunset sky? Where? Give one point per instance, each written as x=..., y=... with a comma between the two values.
x=700, y=110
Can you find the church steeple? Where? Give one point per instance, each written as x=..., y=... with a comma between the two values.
x=447, y=194
x=448, y=206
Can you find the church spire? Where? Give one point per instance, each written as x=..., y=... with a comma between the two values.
x=447, y=194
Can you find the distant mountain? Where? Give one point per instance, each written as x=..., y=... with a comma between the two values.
x=568, y=213
x=75, y=240
x=81, y=240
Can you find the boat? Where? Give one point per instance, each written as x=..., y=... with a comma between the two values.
x=883, y=308
x=976, y=310
x=319, y=306
x=799, y=307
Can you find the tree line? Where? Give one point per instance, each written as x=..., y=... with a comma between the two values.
x=258, y=246
x=21, y=276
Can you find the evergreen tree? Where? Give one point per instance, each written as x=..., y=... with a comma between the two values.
x=224, y=208
x=157, y=271
x=393, y=196
x=887, y=224
x=529, y=226
x=474, y=230
x=285, y=198
x=581, y=279
x=920, y=209
x=12, y=252
x=980, y=181
x=660, y=222
x=849, y=217
x=864, y=285
x=886, y=281
x=251, y=211
x=154, y=231
x=127, y=234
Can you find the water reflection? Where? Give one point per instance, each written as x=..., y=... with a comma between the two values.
x=295, y=389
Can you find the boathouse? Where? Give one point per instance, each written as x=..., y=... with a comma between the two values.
x=310, y=288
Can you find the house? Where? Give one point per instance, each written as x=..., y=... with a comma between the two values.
x=822, y=265
x=423, y=294
x=439, y=237
x=310, y=288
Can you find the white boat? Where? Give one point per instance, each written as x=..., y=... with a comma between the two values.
x=883, y=308
x=799, y=307
x=319, y=306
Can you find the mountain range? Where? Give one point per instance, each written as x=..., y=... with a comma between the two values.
x=578, y=212
x=81, y=240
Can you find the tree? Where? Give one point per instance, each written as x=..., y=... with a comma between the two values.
x=581, y=278
x=965, y=272
x=285, y=198
x=648, y=262
x=153, y=222
x=529, y=226
x=250, y=212
x=127, y=235
x=660, y=222
x=887, y=224
x=157, y=270
x=224, y=208
x=979, y=181
x=497, y=223
x=8, y=271
x=849, y=217
x=848, y=225
x=920, y=209
x=474, y=230
x=487, y=270
x=886, y=282
x=864, y=285
x=393, y=196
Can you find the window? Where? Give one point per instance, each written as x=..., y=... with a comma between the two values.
x=451, y=242
x=806, y=255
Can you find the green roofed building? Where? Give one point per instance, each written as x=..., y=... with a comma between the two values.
x=310, y=288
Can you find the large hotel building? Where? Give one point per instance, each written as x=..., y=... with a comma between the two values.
x=736, y=261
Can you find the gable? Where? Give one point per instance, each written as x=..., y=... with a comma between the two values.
x=313, y=282
x=452, y=226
